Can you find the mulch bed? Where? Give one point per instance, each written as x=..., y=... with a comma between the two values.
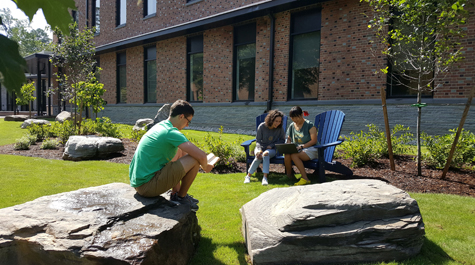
x=459, y=182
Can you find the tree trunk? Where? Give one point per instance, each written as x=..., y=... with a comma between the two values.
x=388, y=131
x=29, y=107
x=459, y=130
x=419, y=112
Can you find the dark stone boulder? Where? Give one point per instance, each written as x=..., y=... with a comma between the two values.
x=109, y=224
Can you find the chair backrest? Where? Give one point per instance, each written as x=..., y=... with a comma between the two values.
x=329, y=127
x=261, y=118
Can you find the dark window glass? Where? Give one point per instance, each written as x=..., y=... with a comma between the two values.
x=151, y=75
x=244, y=62
x=305, y=55
x=121, y=78
x=195, y=68
x=74, y=14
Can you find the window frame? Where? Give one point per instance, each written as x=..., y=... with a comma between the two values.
x=189, y=52
x=236, y=44
x=145, y=8
x=146, y=60
x=118, y=14
x=293, y=33
x=94, y=16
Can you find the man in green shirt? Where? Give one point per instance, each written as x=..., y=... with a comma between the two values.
x=156, y=167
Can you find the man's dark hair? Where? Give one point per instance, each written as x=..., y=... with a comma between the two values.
x=270, y=118
x=295, y=112
x=181, y=107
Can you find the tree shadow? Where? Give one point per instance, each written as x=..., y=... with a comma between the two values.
x=206, y=248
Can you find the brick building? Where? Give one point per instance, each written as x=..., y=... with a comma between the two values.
x=234, y=59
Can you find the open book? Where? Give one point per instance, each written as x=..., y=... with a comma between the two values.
x=212, y=159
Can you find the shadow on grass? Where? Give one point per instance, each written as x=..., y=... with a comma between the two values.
x=204, y=254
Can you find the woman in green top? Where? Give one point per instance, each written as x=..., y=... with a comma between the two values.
x=303, y=134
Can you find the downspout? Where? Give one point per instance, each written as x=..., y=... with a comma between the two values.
x=271, y=62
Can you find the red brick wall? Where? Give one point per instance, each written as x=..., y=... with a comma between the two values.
x=460, y=80
x=109, y=77
x=217, y=64
x=171, y=70
x=347, y=65
x=135, y=75
x=262, y=59
x=281, y=55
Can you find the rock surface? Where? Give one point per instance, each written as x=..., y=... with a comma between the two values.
x=141, y=124
x=108, y=224
x=162, y=114
x=16, y=117
x=336, y=222
x=90, y=147
x=63, y=116
x=29, y=122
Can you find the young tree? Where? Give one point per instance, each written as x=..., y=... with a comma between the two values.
x=29, y=40
x=421, y=39
x=25, y=97
x=75, y=54
x=12, y=64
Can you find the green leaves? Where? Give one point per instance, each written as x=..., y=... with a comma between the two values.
x=12, y=65
x=56, y=11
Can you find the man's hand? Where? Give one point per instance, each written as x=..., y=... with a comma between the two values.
x=259, y=155
x=266, y=153
x=208, y=168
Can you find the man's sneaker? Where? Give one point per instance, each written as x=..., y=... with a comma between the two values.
x=173, y=197
x=247, y=179
x=186, y=201
x=264, y=181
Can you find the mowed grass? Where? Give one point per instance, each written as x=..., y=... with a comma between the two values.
x=449, y=219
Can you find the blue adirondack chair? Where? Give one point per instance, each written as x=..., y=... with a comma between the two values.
x=249, y=158
x=329, y=127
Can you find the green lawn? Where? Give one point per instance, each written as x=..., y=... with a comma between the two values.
x=449, y=219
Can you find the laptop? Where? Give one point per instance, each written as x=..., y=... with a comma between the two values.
x=286, y=148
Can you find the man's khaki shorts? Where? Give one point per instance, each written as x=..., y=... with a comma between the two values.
x=164, y=179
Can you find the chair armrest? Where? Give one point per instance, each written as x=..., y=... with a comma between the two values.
x=248, y=142
x=328, y=145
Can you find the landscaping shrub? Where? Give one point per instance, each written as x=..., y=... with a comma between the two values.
x=65, y=131
x=22, y=144
x=227, y=152
x=88, y=127
x=49, y=144
x=439, y=148
x=137, y=135
x=53, y=129
x=365, y=148
x=31, y=138
x=39, y=130
x=105, y=127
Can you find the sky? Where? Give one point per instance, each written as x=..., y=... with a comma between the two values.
x=38, y=19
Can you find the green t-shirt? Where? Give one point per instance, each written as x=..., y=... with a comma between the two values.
x=156, y=148
x=303, y=135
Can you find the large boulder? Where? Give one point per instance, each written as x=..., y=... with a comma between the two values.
x=16, y=117
x=162, y=114
x=91, y=147
x=109, y=224
x=337, y=222
x=66, y=116
x=29, y=122
x=141, y=124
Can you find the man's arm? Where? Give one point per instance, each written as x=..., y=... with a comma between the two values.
x=197, y=154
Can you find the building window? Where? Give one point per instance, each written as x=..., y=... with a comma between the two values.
x=304, y=55
x=150, y=74
x=74, y=14
x=96, y=18
x=403, y=77
x=121, y=78
x=150, y=7
x=244, y=62
x=195, y=69
x=121, y=9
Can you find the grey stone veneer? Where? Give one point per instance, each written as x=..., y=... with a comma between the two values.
x=437, y=117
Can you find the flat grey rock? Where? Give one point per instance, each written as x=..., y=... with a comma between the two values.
x=79, y=147
x=27, y=123
x=16, y=117
x=335, y=222
x=108, y=224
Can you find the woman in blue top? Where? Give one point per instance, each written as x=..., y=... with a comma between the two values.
x=269, y=133
x=303, y=134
